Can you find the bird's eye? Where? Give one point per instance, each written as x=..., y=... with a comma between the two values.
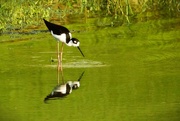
x=75, y=41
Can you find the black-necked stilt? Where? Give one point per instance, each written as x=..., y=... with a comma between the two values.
x=62, y=34
x=64, y=89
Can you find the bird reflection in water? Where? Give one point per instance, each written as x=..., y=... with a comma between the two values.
x=62, y=90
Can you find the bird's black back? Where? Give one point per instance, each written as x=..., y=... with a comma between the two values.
x=57, y=29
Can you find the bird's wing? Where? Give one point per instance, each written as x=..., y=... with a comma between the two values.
x=57, y=29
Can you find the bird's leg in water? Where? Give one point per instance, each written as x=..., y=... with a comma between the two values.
x=61, y=69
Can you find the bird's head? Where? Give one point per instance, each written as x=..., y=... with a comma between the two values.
x=75, y=43
x=76, y=85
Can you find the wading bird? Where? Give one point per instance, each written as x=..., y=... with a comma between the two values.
x=63, y=90
x=62, y=34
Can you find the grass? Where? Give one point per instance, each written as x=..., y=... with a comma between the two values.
x=23, y=14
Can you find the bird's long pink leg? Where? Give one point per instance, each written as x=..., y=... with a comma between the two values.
x=61, y=53
x=58, y=65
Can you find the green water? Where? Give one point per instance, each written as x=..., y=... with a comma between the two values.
x=131, y=74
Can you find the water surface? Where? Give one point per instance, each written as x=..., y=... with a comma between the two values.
x=131, y=73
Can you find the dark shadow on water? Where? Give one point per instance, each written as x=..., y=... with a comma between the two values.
x=62, y=90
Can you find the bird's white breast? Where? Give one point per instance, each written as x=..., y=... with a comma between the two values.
x=61, y=88
x=61, y=37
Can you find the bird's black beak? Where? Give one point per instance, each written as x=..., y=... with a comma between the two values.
x=81, y=76
x=80, y=51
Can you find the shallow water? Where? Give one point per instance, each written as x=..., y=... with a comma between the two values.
x=131, y=73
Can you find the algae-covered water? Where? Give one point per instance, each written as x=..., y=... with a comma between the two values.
x=131, y=74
